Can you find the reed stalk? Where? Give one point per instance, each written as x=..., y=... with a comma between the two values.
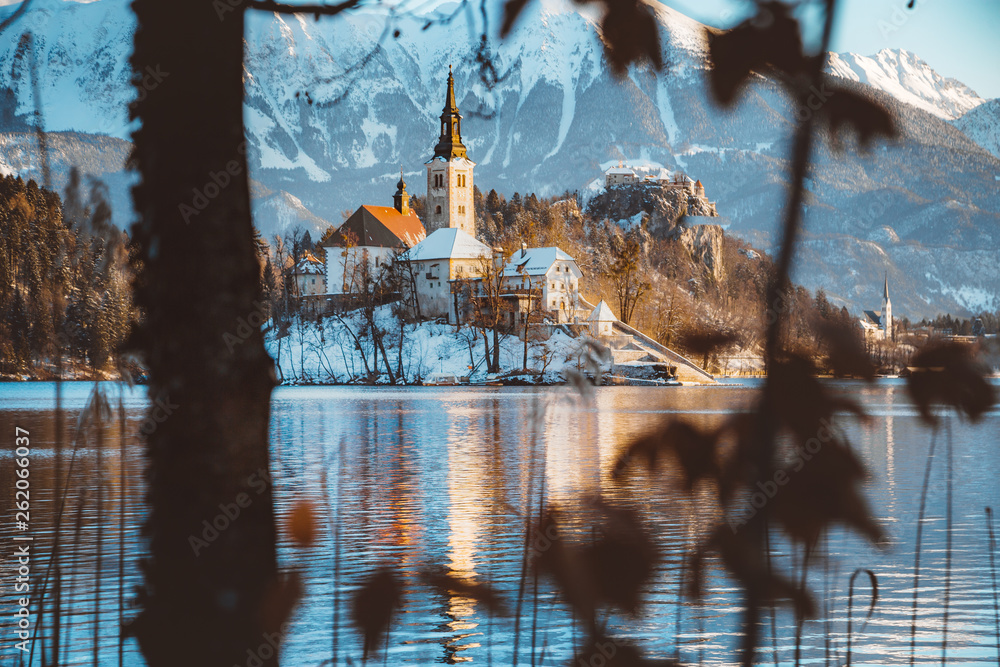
x=947, y=554
x=916, y=551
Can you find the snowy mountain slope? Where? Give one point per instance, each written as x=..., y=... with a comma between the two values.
x=982, y=125
x=907, y=78
x=333, y=137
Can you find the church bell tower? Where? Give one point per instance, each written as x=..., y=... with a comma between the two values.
x=449, y=174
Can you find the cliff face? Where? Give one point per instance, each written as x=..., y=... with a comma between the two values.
x=703, y=244
x=662, y=206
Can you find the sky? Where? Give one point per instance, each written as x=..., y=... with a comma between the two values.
x=958, y=38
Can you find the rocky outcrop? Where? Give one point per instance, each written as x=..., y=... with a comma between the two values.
x=662, y=206
x=704, y=245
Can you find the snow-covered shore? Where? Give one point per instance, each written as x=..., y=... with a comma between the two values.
x=339, y=351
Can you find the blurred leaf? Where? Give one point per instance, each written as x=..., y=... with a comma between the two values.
x=946, y=374
x=374, y=605
x=564, y=563
x=280, y=599
x=823, y=487
x=693, y=450
x=621, y=560
x=302, y=523
x=846, y=108
x=801, y=402
x=769, y=40
x=631, y=34
x=610, y=570
x=845, y=350
x=746, y=563
x=452, y=585
x=511, y=10
x=706, y=342
x=614, y=652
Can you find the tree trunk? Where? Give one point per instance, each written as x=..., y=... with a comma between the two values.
x=524, y=361
x=385, y=358
x=208, y=575
x=486, y=346
x=495, y=366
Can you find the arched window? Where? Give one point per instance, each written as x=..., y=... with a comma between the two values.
x=437, y=210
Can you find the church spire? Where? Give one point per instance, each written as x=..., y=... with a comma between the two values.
x=885, y=292
x=450, y=145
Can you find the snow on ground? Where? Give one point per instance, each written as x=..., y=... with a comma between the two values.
x=325, y=352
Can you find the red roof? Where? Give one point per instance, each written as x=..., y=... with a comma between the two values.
x=407, y=228
x=380, y=226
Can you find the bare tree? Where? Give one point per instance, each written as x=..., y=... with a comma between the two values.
x=626, y=270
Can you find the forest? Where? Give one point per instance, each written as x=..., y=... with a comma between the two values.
x=65, y=283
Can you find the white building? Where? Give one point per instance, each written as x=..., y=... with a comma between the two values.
x=446, y=255
x=450, y=174
x=620, y=176
x=602, y=321
x=549, y=272
x=372, y=235
x=308, y=275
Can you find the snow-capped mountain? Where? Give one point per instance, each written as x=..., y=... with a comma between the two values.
x=909, y=79
x=333, y=136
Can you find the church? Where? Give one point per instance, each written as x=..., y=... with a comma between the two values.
x=442, y=250
x=877, y=324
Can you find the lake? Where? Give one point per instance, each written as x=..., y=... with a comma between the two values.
x=420, y=476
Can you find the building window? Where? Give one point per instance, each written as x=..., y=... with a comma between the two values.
x=438, y=180
x=461, y=180
x=437, y=209
x=461, y=210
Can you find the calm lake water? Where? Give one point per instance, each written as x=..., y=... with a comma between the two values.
x=439, y=476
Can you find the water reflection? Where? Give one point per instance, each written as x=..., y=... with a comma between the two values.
x=438, y=478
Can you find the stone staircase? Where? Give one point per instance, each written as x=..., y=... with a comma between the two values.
x=631, y=347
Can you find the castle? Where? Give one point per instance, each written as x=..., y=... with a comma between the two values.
x=680, y=183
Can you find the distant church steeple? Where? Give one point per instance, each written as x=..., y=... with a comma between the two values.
x=886, y=309
x=449, y=174
x=450, y=144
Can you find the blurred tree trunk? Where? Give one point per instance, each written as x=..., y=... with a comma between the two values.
x=209, y=570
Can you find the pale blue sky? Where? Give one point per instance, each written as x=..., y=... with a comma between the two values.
x=958, y=38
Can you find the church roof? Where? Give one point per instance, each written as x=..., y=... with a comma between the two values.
x=873, y=317
x=449, y=243
x=535, y=261
x=381, y=227
x=602, y=313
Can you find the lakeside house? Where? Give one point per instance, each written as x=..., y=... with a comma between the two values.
x=549, y=277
